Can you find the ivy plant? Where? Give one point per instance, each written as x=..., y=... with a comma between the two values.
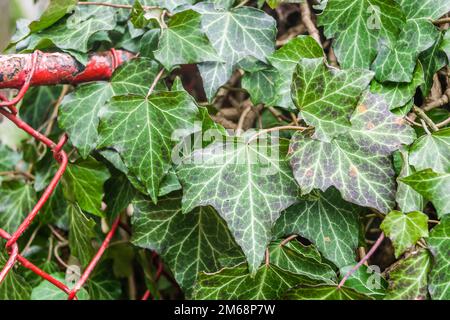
x=250, y=149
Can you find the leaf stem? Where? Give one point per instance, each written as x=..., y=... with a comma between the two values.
x=306, y=14
x=267, y=257
x=423, y=115
x=443, y=123
x=115, y=5
x=154, y=83
x=282, y=128
x=288, y=239
x=242, y=119
x=363, y=260
x=441, y=21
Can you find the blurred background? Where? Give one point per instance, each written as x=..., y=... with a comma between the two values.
x=12, y=10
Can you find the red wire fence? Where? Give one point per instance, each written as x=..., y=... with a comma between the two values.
x=22, y=71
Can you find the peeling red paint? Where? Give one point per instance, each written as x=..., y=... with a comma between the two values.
x=58, y=68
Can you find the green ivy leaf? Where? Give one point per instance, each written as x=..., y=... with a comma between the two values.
x=327, y=97
x=8, y=158
x=329, y=222
x=398, y=94
x=141, y=129
x=432, y=186
x=324, y=292
x=396, y=61
x=359, y=27
x=408, y=278
x=38, y=104
x=433, y=59
x=183, y=42
x=445, y=45
x=170, y=5
x=47, y=291
x=285, y=60
x=238, y=179
x=74, y=34
x=407, y=198
x=16, y=202
x=356, y=163
x=14, y=286
x=235, y=34
x=293, y=257
x=439, y=244
x=119, y=192
x=189, y=243
x=432, y=151
x=269, y=282
x=430, y=9
x=260, y=85
x=78, y=114
x=56, y=10
x=103, y=286
x=83, y=183
x=81, y=232
x=275, y=3
x=405, y=230
x=366, y=280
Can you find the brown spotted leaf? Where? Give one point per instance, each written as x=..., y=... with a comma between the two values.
x=358, y=162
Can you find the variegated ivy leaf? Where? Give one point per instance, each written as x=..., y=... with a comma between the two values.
x=140, y=128
x=432, y=186
x=407, y=198
x=398, y=94
x=357, y=163
x=405, y=230
x=235, y=34
x=183, y=42
x=359, y=27
x=16, y=201
x=78, y=114
x=329, y=222
x=14, y=286
x=189, y=243
x=238, y=178
x=432, y=151
x=408, y=278
x=83, y=183
x=81, y=232
x=268, y=283
x=74, y=33
x=324, y=292
x=439, y=244
x=326, y=97
x=285, y=60
x=397, y=59
x=366, y=280
x=296, y=258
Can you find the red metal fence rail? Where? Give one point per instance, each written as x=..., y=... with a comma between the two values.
x=25, y=70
